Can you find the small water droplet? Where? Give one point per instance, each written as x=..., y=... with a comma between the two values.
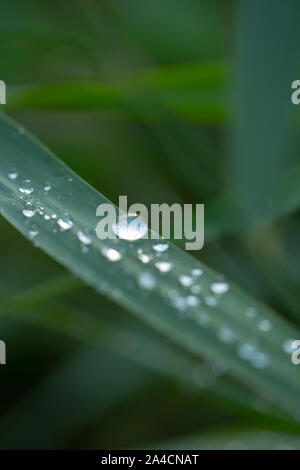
x=111, y=254
x=47, y=217
x=211, y=301
x=65, y=222
x=179, y=303
x=146, y=281
x=160, y=247
x=288, y=346
x=197, y=272
x=164, y=266
x=260, y=360
x=192, y=301
x=196, y=289
x=26, y=187
x=130, y=227
x=47, y=187
x=246, y=351
x=33, y=232
x=84, y=237
x=219, y=287
x=226, y=335
x=264, y=325
x=185, y=280
x=13, y=174
x=143, y=257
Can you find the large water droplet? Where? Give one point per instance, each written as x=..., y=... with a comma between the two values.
x=65, y=222
x=130, y=227
x=26, y=187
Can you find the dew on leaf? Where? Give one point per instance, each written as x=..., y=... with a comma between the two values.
x=146, y=281
x=130, y=227
x=219, y=287
x=111, y=254
x=160, y=247
x=164, y=266
x=84, y=237
x=26, y=187
x=65, y=222
x=185, y=280
x=13, y=174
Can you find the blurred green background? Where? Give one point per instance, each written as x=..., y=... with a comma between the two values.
x=165, y=101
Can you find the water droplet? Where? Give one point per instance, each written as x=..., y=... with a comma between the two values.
x=264, y=325
x=65, y=222
x=143, y=257
x=185, y=280
x=226, y=335
x=84, y=249
x=47, y=217
x=246, y=351
x=70, y=180
x=84, y=237
x=211, y=301
x=146, y=281
x=179, y=303
x=111, y=254
x=29, y=211
x=26, y=187
x=219, y=287
x=192, y=301
x=164, y=266
x=13, y=174
x=288, y=346
x=53, y=216
x=130, y=227
x=197, y=272
x=33, y=232
x=196, y=289
x=21, y=130
x=47, y=187
x=160, y=247
x=260, y=360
